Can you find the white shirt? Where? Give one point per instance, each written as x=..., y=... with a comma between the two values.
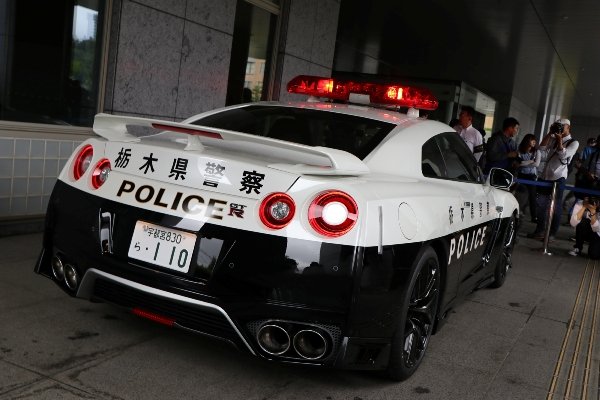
x=472, y=138
x=557, y=161
x=586, y=214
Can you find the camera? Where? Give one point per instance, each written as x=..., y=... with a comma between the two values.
x=556, y=128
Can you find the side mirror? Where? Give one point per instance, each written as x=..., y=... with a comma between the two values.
x=500, y=178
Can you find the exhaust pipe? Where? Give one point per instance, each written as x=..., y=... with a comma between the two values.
x=58, y=269
x=71, y=276
x=310, y=344
x=273, y=339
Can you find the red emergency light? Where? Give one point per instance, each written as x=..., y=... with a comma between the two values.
x=390, y=94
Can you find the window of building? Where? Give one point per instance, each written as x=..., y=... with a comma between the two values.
x=50, y=55
x=252, y=48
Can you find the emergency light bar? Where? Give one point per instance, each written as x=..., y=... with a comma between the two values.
x=398, y=95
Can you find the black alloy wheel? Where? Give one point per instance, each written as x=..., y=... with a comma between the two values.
x=417, y=317
x=505, y=259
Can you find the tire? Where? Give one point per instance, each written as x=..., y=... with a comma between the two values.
x=417, y=317
x=505, y=259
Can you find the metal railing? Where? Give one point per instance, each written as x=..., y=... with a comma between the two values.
x=552, y=205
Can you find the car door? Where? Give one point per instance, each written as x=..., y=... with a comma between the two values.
x=475, y=214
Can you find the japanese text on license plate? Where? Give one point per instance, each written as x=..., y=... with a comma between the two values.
x=169, y=248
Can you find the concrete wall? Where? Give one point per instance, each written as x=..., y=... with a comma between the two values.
x=310, y=43
x=526, y=117
x=583, y=128
x=169, y=59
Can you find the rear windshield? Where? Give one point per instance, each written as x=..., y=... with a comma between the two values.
x=355, y=135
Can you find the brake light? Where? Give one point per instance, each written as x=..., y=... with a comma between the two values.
x=188, y=131
x=277, y=210
x=390, y=94
x=83, y=161
x=101, y=172
x=333, y=213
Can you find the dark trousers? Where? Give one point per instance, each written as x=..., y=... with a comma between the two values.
x=531, y=194
x=543, y=198
x=584, y=233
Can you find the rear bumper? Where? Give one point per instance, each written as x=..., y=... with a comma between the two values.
x=199, y=316
x=253, y=281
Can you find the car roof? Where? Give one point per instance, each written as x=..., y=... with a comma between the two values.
x=407, y=137
x=358, y=110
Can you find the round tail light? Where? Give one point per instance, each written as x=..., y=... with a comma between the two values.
x=333, y=213
x=101, y=172
x=277, y=210
x=82, y=161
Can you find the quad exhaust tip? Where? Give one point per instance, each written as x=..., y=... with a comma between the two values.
x=65, y=272
x=273, y=339
x=310, y=344
x=307, y=343
x=58, y=269
x=71, y=277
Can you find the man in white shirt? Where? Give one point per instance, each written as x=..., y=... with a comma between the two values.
x=470, y=135
x=557, y=148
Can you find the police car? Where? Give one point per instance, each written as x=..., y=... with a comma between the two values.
x=320, y=232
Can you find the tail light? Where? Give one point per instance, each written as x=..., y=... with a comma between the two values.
x=101, y=172
x=333, y=213
x=82, y=161
x=277, y=210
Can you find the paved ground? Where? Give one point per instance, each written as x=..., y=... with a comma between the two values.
x=499, y=344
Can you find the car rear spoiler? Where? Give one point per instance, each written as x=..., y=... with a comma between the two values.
x=309, y=160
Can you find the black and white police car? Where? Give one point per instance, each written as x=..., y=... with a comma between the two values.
x=319, y=232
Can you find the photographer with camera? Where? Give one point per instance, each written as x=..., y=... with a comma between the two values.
x=557, y=149
x=587, y=227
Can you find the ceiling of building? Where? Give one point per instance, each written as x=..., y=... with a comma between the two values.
x=543, y=53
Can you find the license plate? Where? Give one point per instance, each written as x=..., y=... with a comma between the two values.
x=165, y=247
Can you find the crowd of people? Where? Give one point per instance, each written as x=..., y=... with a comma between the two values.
x=551, y=161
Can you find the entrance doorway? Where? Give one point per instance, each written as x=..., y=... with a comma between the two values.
x=251, y=53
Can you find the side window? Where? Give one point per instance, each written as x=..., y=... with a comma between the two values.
x=432, y=162
x=460, y=163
